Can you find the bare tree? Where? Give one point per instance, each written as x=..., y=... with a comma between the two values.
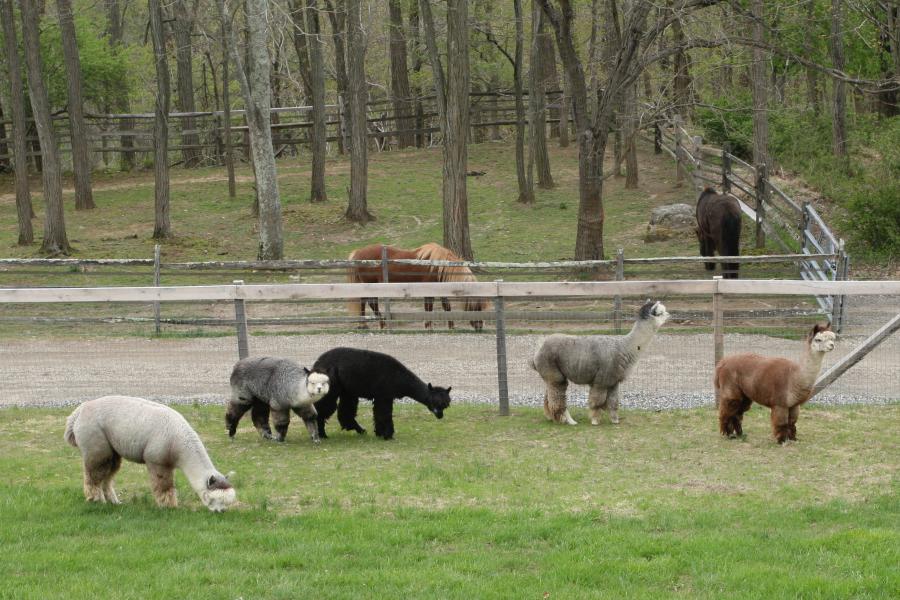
x=317, y=191
x=453, y=109
x=403, y=104
x=24, y=209
x=301, y=47
x=812, y=75
x=226, y=110
x=337, y=14
x=183, y=27
x=681, y=80
x=162, y=227
x=537, y=102
x=357, y=209
x=81, y=160
x=839, y=98
x=55, y=239
x=121, y=104
x=255, y=88
x=526, y=186
x=759, y=86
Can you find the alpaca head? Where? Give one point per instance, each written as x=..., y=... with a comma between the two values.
x=654, y=310
x=219, y=494
x=317, y=384
x=821, y=338
x=438, y=400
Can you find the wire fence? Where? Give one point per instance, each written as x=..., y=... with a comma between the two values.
x=48, y=362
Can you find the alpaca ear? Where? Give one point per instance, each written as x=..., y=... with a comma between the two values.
x=429, y=387
x=305, y=370
x=449, y=388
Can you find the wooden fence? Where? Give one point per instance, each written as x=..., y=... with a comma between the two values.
x=499, y=291
x=792, y=226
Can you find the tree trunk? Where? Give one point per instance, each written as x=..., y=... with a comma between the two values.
x=55, y=239
x=4, y=147
x=759, y=88
x=630, y=134
x=24, y=209
x=121, y=104
x=254, y=83
x=681, y=81
x=549, y=74
x=357, y=209
x=453, y=108
x=338, y=17
x=317, y=82
x=226, y=110
x=403, y=105
x=81, y=159
x=537, y=100
x=162, y=227
x=182, y=27
x=564, y=114
x=526, y=190
x=301, y=47
x=839, y=100
x=417, y=68
x=612, y=41
x=812, y=75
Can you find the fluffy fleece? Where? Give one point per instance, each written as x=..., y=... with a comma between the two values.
x=781, y=384
x=111, y=428
x=356, y=374
x=278, y=386
x=600, y=361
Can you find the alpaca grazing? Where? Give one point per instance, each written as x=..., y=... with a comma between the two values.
x=781, y=384
x=111, y=428
x=356, y=374
x=600, y=361
x=719, y=229
x=267, y=384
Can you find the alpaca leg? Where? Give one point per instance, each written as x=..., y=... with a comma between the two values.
x=281, y=419
x=236, y=409
x=596, y=402
x=780, y=424
x=162, y=482
x=729, y=406
x=324, y=409
x=445, y=303
x=98, y=467
x=260, y=416
x=793, y=413
x=382, y=411
x=347, y=411
x=612, y=404
x=307, y=412
x=429, y=307
x=555, y=403
x=108, y=491
x=738, y=418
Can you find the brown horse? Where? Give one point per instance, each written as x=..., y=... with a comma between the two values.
x=719, y=229
x=402, y=273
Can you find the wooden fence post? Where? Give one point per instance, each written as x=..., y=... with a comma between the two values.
x=679, y=172
x=240, y=319
x=761, y=181
x=156, y=255
x=726, y=169
x=837, y=302
x=804, y=225
x=502, y=381
x=657, y=138
x=718, y=318
x=385, y=279
x=620, y=276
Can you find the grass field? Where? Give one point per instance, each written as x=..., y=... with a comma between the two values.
x=473, y=506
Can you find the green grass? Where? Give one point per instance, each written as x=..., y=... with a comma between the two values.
x=474, y=505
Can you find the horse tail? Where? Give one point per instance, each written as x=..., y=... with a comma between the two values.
x=731, y=238
x=354, y=306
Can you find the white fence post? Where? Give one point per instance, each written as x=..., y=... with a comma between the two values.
x=156, y=255
x=240, y=319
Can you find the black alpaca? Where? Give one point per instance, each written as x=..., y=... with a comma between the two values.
x=355, y=374
x=719, y=229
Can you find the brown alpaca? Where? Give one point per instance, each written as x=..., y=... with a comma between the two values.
x=781, y=384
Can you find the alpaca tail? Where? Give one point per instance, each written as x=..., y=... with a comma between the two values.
x=69, y=435
x=354, y=304
x=731, y=242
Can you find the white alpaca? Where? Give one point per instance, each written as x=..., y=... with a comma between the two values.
x=601, y=361
x=111, y=428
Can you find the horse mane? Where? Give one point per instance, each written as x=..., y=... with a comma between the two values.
x=432, y=251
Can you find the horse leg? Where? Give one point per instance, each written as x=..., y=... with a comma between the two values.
x=373, y=304
x=362, y=313
x=429, y=307
x=707, y=248
x=596, y=402
x=780, y=424
x=347, y=411
x=447, y=308
x=307, y=412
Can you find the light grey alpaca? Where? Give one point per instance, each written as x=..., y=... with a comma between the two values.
x=111, y=428
x=601, y=361
x=279, y=385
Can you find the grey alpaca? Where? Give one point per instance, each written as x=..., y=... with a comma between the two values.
x=600, y=361
x=279, y=385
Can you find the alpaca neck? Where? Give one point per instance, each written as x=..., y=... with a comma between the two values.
x=196, y=465
x=810, y=366
x=418, y=390
x=641, y=334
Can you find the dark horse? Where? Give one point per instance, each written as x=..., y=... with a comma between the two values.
x=719, y=229
x=411, y=274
